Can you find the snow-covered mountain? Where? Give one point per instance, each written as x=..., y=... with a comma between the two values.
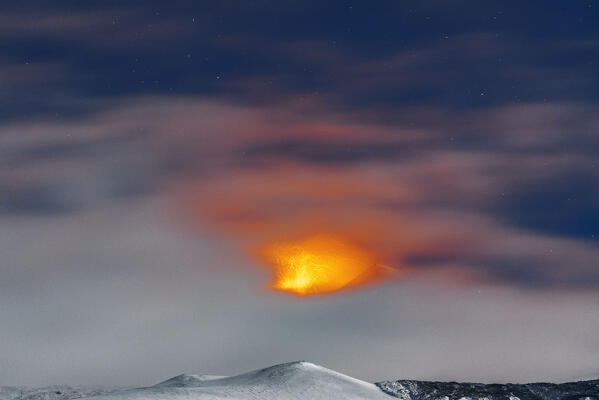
x=55, y=392
x=306, y=381
x=296, y=380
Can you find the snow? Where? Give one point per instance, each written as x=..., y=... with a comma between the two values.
x=186, y=380
x=55, y=392
x=298, y=381
x=306, y=381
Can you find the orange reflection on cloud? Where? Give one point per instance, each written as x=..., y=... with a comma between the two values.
x=318, y=229
x=319, y=264
x=278, y=206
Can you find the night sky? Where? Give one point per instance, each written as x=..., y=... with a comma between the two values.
x=147, y=149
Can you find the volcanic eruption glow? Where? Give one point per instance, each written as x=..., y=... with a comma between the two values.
x=320, y=264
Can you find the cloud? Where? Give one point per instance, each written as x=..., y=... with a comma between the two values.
x=121, y=27
x=418, y=198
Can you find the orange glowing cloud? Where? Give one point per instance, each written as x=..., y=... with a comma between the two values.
x=321, y=263
x=320, y=227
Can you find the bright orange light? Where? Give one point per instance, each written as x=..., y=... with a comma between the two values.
x=320, y=264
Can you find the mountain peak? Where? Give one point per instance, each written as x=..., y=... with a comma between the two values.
x=187, y=380
x=305, y=379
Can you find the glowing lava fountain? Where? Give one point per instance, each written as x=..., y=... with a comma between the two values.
x=320, y=264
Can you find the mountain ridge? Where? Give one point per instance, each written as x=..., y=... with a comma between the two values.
x=430, y=390
x=302, y=380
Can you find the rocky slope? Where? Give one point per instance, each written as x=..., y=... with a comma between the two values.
x=420, y=390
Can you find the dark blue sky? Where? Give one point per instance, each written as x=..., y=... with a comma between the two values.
x=126, y=48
